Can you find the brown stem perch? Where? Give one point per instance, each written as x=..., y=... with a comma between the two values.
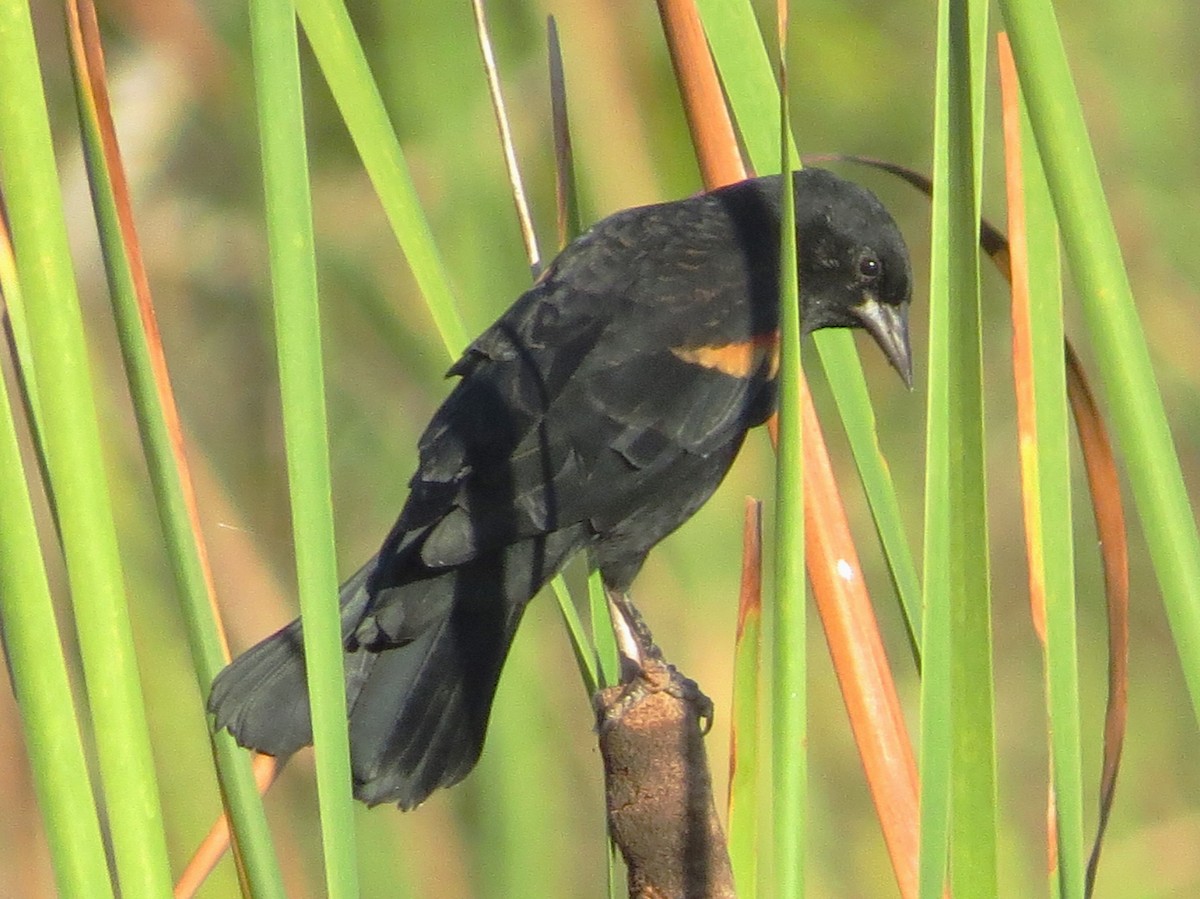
x=658, y=787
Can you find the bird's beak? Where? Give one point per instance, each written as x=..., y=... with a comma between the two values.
x=888, y=324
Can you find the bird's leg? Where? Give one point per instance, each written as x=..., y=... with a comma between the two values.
x=633, y=634
x=639, y=652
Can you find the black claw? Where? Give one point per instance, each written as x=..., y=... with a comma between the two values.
x=687, y=690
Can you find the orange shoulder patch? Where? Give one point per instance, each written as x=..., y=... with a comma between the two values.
x=743, y=359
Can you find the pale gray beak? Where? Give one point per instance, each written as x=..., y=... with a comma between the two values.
x=888, y=324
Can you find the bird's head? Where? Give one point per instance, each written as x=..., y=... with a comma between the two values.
x=854, y=265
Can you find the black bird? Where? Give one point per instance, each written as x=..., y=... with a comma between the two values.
x=599, y=412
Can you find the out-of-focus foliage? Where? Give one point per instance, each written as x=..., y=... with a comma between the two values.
x=529, y=821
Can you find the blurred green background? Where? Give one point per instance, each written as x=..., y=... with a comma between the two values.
x=529, y=821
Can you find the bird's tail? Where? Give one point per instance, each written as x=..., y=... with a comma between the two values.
x=418, y=705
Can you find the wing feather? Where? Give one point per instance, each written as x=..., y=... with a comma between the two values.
x=581, y=395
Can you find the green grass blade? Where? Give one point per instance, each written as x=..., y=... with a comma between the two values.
x=16, y=336
x=789, y=663
x=340, y=55
x=604, y=640
x=298, y=342
x=741, y=56
x=1110, y=315
x=72, y=435
x=585, y=657
x=973, y=848
x=1055, y=555
x=745, y=69
x=12, y=306
x=607, y=668
x=233, y=763
x=43, y=692
x=958, y=780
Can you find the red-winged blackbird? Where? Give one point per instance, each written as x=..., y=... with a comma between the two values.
x=599, y=412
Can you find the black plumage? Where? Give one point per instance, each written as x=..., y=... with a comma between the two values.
x=599, y=412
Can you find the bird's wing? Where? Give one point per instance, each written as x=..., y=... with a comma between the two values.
x=635, y=348
x=534, y=443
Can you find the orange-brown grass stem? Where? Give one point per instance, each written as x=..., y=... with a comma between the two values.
x=214, y=844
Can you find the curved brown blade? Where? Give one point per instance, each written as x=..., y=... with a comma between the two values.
x=1105, y=486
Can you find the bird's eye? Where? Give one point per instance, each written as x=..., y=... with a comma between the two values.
x=869, y=267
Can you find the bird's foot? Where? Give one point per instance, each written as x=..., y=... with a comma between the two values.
x=656, y=676
x=645, y=670
x=688, y=691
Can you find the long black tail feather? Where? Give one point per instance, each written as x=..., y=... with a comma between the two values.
x=418, y=706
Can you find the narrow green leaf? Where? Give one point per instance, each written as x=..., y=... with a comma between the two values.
x=30, y=187
x=741, y=56
x=301, y=380
x=789, y=662
x=604, y=640
x=12, y=307
x=1058, y=556
x=958, y=781
x=1046, y=470
x=43, y=693
x=585, y=656
x=1097, y=267
x=16, y=336
x=344, y=65
x=233, y=764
